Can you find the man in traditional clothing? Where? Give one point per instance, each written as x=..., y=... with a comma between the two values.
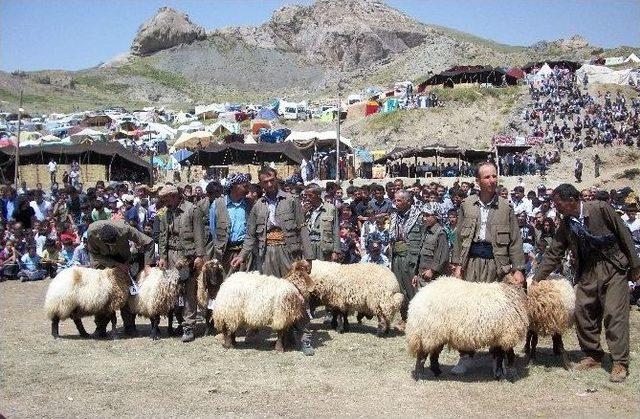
x=405, y=235
x=277, y=235
x=605, y=259
x=181, y=246
x=488, y=242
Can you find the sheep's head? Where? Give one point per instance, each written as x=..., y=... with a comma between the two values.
x=212, y=273
x=299, y=276
x=510, y=279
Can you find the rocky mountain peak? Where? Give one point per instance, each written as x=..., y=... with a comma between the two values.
x=346, y=34
x=166, y=29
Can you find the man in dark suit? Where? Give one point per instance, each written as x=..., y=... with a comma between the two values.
x=605, y=258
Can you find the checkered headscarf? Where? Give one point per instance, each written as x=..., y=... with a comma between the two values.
x=236, y=179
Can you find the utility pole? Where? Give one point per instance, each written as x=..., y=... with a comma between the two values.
x=17, y=163
x=338, y=138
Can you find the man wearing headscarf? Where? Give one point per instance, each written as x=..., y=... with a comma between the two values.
x=228, y=220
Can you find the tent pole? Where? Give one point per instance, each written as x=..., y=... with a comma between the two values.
x=338, y=138
x=415, y=166
x=497, y=160
x=17, y=163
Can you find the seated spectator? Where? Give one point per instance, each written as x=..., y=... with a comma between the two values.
x=375, y=255
x=81, y=254
x=51, y=258
x=30, y=264
x=9, y=261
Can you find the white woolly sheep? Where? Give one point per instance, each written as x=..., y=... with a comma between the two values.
x=208, y=282
x=466, y=316
x=252, y=300
x=367, y=288
x=77, y=292
x=158, y=292
x=551, y=305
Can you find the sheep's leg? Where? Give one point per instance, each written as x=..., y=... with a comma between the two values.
x=434, y=362
x=210, y=329
x=280, y=340
x=558, y=348
x=229, y=338
x=527, y=344
x=101, y=326
x=55, y=327
x=78, y=322
x=498, y=359
x=339, y=318
x=418, y=371
x=114, y=323
x=534, y=345
x=359, y=317
x=180, y=319
x=129, y=320
x=170, y=323
x=346, y=322
x=383, y=326
x=511, y=373
x=155, y=327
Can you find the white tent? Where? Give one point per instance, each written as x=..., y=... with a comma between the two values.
x=249, y=139
x=633, y=58
x=196, y=139
x=604, y=75
x=87, y=135
x=544, y=72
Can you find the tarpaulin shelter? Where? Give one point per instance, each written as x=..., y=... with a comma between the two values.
x=96, y=120
x=310, y=141
x=181, y=155
x=362, y=109
x=87, y=135
x=196, y=139
x=121, y=163
x=274, y=136
x=605, y=75
x=267, y=114
x=239, y=153
x=258, y=124
x=436, y=150
x=390, y=105
x=516, y=72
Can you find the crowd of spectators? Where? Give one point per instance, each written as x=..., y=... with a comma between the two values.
x=44, y=231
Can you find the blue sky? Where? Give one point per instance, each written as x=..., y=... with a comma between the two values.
x=76, y=34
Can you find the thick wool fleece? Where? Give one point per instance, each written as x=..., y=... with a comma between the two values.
x=85, y=291
x=466, y=316
x=158, y=292
x=364, y=287
x=551, y=305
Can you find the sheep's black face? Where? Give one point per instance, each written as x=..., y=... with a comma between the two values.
x=212, y=273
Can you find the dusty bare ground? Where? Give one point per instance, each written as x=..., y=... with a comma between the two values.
x=354, y=374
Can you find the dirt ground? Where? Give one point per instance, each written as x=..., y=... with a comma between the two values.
x=355, y=374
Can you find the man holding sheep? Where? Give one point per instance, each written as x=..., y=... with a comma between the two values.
x=488, y=243
x=605, y=258
x=181, y=246
x=277, y=236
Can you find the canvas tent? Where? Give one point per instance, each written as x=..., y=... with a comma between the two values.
x=544, y=72
x=604, y=75
x=362, y=109
x=307, y=140
x=469, y=74
x=119, y=163
x=196, y=139
x=633, y=58
x=239, y=153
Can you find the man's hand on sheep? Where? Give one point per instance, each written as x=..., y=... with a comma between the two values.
x=415, y=281
x=458, y=272
x=236, y=262
x=162, y=263
x=335, y=257
x=427, y=275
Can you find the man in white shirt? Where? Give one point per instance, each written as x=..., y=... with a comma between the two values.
x=40, y=206
x=520, y=203
x=53, y=168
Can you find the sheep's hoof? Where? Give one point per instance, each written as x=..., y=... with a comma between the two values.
x=84, y=335
x=512, y=375
x=417, y=375
x=210, y=330
x=435, y=369
x=279, y=346
x=566, y=362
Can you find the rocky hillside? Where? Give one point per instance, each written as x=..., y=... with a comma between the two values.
x=301, y=52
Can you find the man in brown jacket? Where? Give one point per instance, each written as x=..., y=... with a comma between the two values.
x=277, y=236
x=488, y=243
x=181, y=246
x=605, y=258
x=434, y=251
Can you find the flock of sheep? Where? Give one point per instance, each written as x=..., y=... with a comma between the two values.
x=464, y=316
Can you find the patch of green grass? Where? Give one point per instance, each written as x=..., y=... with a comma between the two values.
x=388, y=121
x=101, y=84
x=140, y=68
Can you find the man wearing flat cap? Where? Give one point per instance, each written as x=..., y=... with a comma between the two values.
x=181, y=246
x=434, y=250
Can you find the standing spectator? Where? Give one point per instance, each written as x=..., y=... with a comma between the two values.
x=40, y=206
x=9, y=202
x=577, y=171
x=81, y=254
x=74, y=175
x=24, y=213
x=53, y=169
x=597, y=163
